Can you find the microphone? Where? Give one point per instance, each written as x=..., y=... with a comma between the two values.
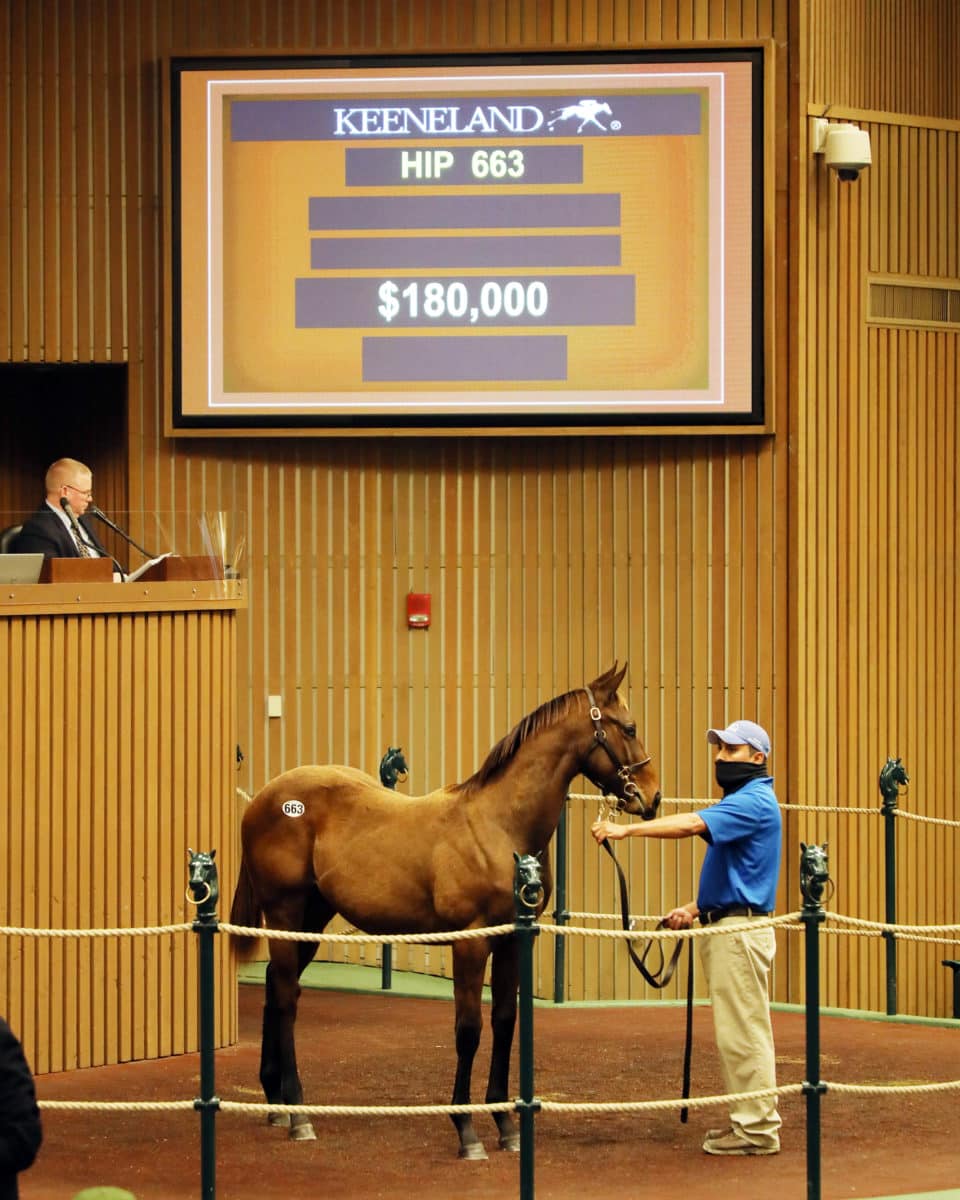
x=102, y=516
x=68, y=509
x=78, y=531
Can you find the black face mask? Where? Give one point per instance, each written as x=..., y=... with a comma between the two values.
x=733, y=775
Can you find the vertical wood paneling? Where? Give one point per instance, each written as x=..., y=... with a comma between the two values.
x=877, y=446
x=93, y=838
x=807, y=579
x=893, y=55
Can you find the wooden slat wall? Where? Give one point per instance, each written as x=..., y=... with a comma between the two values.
x=895, y=55
x=876, y=668
x=723, y=568
x=94, y=836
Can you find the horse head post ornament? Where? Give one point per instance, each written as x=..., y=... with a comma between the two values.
x=892, y=775
x=814, y=874
x=393, y=767
x=203, y=880
x=323, y=840
x=528, y=882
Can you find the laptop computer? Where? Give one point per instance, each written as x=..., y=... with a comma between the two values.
x=20, y=568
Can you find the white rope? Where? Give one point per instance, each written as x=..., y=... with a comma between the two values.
x=152, y=930
x=385, y=939
x=821, y=809
x=584, y=916
x=558, y=1106
x=366, y=1110
x=860, y=923
x=117, y=1105
x=918, y=933
x=909, y=816
x=664, y=934
x=546, y=1106
x=892, y=1089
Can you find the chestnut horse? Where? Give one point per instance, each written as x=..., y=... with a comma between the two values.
x=323, y=840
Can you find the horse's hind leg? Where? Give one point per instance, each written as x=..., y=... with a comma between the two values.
x=278, y=1058
x=503, y=1019
x=469, y=962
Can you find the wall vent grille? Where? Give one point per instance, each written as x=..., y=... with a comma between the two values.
x=905, y=303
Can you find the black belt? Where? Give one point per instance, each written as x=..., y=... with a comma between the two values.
x=713, y=915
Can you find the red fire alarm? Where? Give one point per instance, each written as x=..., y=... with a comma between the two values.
x=418, y=610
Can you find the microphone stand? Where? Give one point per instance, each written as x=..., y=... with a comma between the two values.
x=96, y=512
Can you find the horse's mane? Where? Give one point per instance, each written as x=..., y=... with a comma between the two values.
x=503, y=752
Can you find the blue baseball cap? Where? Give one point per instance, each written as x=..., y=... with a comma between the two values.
x=741, y=733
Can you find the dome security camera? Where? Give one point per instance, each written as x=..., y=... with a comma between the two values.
x=845, y=147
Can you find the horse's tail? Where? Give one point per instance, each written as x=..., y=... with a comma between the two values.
x=245, y=910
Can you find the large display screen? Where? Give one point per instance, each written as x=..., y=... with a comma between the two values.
x=560, y=243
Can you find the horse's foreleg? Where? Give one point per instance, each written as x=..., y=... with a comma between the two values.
x=278, y=1058
x=469, y=962
x=503, y=1019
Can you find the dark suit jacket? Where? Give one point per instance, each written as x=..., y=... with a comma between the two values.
x=45, y=533
x=20, y=1129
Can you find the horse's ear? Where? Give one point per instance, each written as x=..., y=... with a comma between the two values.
x=516, y=857
x=803, y=847
x=213, y=855
x=605, y=685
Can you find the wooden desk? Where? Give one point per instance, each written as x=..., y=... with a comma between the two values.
x=118, y=712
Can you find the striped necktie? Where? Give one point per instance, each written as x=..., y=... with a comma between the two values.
x=81, y=545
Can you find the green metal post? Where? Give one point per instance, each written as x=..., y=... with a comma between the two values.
x=891, y=776
x=813, y=879
x=527, y=893
x=560, y=914
x=205, y=886
x=392, y=762
x=386, y=968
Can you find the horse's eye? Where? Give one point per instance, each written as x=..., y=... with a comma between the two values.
x=630, y=731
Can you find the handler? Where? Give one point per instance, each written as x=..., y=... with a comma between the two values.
x=738, y=886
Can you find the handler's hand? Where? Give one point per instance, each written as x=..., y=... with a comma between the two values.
x=608, y=829
x=678, y=918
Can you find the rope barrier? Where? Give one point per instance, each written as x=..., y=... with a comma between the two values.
x=380, y=939
x=869, y=928
x=434, y=1110
x=117, y=1105
x=821, y=809
x=152, y=930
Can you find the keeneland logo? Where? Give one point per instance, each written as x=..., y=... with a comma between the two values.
x=453, y=120
x=449, y=119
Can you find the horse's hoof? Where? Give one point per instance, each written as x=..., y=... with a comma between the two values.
x=473, y=1151
x=281, y=1120
x=511, y=1142
x=302, y=1133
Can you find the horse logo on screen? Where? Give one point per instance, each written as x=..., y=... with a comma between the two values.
x=587, y=112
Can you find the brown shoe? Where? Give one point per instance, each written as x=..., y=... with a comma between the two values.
x=733, y=1143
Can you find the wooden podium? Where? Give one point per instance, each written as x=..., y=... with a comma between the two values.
x=183, y=566
x=76, y=570
x=118, y=705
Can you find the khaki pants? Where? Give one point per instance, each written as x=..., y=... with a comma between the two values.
x=737, y=969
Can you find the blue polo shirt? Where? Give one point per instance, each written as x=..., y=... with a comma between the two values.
x=743, y=836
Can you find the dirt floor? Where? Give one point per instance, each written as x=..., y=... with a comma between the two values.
x=379, y=1048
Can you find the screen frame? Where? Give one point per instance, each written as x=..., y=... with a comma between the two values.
x=759, y=420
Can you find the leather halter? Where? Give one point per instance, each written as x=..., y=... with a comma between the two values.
x=624, y=770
